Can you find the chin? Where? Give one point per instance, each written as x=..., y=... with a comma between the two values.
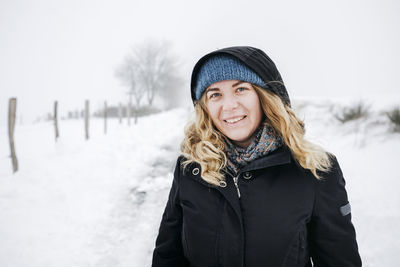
x=238, y=137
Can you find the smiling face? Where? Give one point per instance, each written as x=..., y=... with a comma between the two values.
x=235, y=110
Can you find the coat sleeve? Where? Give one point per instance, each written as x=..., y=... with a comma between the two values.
x=333, y=237
x=168, y=251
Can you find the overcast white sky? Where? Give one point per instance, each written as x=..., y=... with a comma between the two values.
x=68, y=50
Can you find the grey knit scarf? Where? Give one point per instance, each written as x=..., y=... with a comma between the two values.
x=265, y=141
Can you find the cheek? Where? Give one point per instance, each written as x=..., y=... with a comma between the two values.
x=213, y=113
x=254, y=107
x=259, y=112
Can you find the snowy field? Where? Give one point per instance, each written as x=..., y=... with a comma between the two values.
x=99, y=202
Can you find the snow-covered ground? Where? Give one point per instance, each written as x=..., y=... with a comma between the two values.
x=99, y=202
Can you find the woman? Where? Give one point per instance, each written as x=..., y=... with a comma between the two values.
x=248, y=189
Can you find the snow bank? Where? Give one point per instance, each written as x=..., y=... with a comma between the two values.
x=99, y=202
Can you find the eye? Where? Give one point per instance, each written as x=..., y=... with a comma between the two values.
x=241, y=89
x=213, y=95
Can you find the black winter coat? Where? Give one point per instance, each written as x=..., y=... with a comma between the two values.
x=284, y=217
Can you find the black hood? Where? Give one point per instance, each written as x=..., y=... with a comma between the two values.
x=256, y=60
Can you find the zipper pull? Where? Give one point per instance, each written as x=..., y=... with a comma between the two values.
x=235, y=181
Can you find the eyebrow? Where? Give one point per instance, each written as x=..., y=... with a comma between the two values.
x=212, y=89
x=216, y=88
x=236, y=84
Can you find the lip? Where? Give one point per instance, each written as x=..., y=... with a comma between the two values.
x=234, y=117
x=237, y=123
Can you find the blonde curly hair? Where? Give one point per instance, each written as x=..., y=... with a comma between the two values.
x=204, y=144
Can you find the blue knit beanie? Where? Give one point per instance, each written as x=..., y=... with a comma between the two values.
x=224, y=67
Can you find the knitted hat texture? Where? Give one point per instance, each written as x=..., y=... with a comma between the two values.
x=224, y=67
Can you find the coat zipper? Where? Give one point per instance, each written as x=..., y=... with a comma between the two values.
x=235, y=180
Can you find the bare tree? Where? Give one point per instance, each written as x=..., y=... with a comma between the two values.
x=155, y=64
x=129, y=75
x=158, y=67
x=149, y=68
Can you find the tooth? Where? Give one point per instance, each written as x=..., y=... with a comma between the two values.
x=234, y=120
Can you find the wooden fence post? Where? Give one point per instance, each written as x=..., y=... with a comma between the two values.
x=12, y=107
x=87, y=119
x=120, y=112
x=129, y=109
x=105, y=117
x=56, y=119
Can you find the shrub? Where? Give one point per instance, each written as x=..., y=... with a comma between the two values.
x=394, y=117
x=357, y=111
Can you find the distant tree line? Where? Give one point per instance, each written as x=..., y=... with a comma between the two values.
x=112, y=112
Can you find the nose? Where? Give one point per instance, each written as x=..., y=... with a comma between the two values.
x=230, y=103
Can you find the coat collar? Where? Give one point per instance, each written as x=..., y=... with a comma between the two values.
x=280, y=156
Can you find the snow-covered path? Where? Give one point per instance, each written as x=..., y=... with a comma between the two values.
x=99, y=202
x=87, y=203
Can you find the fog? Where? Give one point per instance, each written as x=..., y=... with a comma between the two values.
x=69, y=50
